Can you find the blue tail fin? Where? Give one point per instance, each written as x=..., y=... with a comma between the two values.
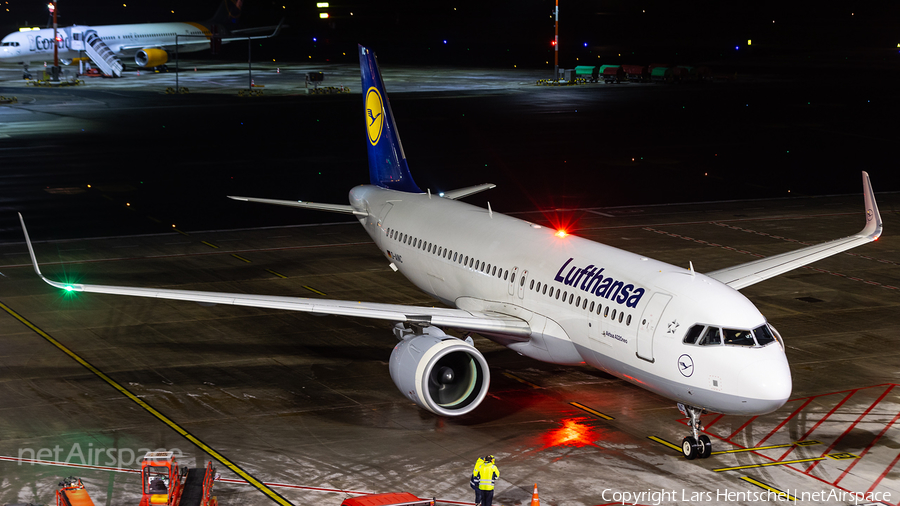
x=387, y=162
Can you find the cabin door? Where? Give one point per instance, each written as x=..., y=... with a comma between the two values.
x=649, y=321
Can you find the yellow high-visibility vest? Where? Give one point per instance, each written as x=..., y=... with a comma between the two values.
x=487, y=476
x=478, y=464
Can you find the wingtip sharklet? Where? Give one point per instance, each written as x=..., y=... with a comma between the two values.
x=37, y=269
x=874, y=225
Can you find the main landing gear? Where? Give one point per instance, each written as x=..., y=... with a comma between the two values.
x=697, y=445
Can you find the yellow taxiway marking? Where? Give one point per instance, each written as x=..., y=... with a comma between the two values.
x=770, y=489
x=591, y=411
x=277, y=273
x=262, y=487
x=313, y=290
x=211, y=245
x=673, y=446
x=798, y=443
x=520, y=380
x=665, y=443
x=179, y=231
x=767, y=464
x=842, y=456
x=235, y=255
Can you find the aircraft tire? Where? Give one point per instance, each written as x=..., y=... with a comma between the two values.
x=706, y=447
x=690, y=448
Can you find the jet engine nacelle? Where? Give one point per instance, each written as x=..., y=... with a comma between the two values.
x=440, y=373
x=151, y=58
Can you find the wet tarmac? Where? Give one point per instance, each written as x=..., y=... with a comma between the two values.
x=305, y=404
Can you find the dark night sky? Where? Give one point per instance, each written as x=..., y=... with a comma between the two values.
x=505, y=33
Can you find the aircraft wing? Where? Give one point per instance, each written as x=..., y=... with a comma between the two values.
x=418, y=315
x=750, y=273
x=169, y=47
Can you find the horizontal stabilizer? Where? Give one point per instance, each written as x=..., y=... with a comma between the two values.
x=469, y=190
x=750, y=273
x=331, y=208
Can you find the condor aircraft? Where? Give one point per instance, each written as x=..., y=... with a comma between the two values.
x=690, y=337
x=149, y=44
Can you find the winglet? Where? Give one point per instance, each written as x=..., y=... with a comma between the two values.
x=64, y=286
x=873, y=217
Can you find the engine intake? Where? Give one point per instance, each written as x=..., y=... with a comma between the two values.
x=442, y=374
x=151, y=58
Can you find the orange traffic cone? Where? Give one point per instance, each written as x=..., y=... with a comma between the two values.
x=535, y=500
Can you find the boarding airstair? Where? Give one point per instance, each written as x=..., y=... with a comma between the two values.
x=102, y=56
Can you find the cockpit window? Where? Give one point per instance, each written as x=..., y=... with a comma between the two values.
x=763, y=335
x=739, y=337
x=703, y=335
x=713, y=336
x=693, y=333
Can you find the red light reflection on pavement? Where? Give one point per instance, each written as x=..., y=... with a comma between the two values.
x=573, y=432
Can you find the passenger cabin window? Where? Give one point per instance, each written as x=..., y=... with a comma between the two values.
x=692, y=334
x=531, y=286
x=628, y=320
x=512, y=278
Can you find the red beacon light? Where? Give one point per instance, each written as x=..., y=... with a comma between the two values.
x=561, y=233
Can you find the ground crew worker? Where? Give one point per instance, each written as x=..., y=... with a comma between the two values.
x=473, y=479
x=487, y=476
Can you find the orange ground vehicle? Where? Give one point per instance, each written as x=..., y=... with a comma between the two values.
x=392, y=499
x=164, y=483
x=72, y=493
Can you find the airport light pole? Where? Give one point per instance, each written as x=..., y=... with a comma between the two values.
x=54, y=72
x=556, y=42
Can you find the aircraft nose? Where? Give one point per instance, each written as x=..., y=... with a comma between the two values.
x=766, y=385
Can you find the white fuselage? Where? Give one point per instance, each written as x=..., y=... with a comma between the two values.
x=123, y=40
x=586, y=302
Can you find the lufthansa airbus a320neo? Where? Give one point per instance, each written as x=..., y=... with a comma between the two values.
x=690, y=337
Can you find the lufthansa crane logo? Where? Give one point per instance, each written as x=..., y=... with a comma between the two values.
x=374, y=115
x=869, y=215
x=685, y=365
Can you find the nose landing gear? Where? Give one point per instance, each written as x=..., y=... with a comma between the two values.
x=697, y=445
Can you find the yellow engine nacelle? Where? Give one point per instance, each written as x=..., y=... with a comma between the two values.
x=151, y=57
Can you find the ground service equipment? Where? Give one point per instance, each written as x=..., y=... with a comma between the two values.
x=164, y=484
x=72, y=493
x=391, y=499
